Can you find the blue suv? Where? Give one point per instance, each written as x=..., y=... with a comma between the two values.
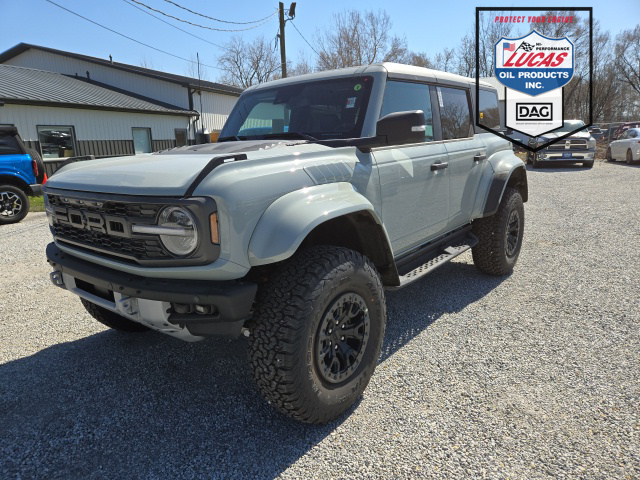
x=21, y=176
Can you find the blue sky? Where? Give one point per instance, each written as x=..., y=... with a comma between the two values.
x=428, y=28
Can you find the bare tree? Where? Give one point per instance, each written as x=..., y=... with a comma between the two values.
x=248, y=63
x=445, y=60
x=420, y=59
x=191, y=70
x=146, y=62
x=627, y=54
x=359, y=38
x=302, y=67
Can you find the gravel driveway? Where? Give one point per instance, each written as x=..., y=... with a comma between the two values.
x=536, y=375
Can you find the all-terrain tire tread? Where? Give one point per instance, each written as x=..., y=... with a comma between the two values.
x=488, y=254
x=277, y=327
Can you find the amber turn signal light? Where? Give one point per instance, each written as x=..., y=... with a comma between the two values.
x=215, y=234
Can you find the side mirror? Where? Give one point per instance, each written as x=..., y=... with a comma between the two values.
x=400, y=128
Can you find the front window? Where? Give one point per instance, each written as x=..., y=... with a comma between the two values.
x=57, y=141
x=323, y=109
x=570, y=126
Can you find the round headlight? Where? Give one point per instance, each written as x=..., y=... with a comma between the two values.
x=183, y=239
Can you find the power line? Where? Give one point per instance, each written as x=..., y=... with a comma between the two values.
x=174, y=26
x=202, y=26
x=129, y=38
x=299, y=33
x=217, y=19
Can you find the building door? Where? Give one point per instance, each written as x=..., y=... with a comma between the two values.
x=142, y=140
x=181, y=137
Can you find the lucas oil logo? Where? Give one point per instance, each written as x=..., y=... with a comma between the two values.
x=534, y=64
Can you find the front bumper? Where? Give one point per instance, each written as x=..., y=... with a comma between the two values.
x=166, y=305
x=582, y=155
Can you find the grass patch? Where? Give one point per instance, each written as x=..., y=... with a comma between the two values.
x=37, y=204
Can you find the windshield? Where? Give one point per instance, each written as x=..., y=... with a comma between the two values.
x=570, y=126
x=323, y=109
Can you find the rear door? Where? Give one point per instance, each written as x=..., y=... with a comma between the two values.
x=466, y=152
x=414, y=179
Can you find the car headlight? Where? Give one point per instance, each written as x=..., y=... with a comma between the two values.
x=591, y=143
x=178, y=231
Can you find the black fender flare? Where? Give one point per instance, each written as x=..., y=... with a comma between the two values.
x=516, y=177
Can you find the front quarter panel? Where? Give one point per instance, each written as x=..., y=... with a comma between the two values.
x=494, y=181
x=287, y=221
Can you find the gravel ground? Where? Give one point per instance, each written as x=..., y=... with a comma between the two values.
x=531, y=376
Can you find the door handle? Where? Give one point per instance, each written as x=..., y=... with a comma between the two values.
x=439, y=166
x=479, y=157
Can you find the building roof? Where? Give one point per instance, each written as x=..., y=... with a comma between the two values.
x=167, y=77
x=496, y=84
x=26, y=86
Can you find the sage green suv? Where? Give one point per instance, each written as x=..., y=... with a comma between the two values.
x=322, y=191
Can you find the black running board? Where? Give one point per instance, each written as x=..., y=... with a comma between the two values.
x=445, y=255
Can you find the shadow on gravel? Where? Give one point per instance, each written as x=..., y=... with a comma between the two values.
x=447, y=290
x=149, y=406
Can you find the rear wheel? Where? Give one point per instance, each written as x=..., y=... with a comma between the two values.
x=111, y=319
x=14, y=204
x=609, y=157
x=316, y=333
x=500, y=236
x=630, y=157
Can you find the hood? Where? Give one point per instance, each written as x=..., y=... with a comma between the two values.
x=553, y=135
x=168, y=173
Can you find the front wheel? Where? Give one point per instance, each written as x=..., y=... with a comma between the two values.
x=609, y=157
x=14, y=204
x=316, y=333
x=630, y=157
x=500, y=236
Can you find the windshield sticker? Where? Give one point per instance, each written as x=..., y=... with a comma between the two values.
x=357, y=87
x=351, y=102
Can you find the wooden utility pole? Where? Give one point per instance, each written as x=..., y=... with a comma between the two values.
x=283, y=53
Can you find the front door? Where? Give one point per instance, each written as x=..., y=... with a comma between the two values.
x=414, y=180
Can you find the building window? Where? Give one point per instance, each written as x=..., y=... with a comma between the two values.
x=57, y=141
x=142, y=140
x=181, y=137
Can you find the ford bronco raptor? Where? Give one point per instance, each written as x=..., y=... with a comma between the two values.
x=322, y=191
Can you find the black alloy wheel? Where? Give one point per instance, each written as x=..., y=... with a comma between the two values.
x=512, y=233
x=342, y=337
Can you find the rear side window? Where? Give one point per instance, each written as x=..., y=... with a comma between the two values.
x=403, y=96
x=9, y=145
x=455, y=116
x=489, y=110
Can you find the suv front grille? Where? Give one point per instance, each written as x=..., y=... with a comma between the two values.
x=120, y=243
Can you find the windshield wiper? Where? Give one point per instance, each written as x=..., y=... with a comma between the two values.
x=303, y=136
x=231, y=138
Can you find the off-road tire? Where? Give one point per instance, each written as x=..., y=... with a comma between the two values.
x=490, y=254
x=608, y=156
x=111, y=319
x=41, y=171
x=629, y=157
x=287, y=324
x=8, y=192
x=588, y=164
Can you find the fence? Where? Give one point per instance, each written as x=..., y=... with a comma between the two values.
x=51, y=166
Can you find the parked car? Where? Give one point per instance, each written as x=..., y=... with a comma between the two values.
x=624, y=127
x=291, y=237
x=21, y=176
x=596, y=133
x=577, y=148
x=627, y=147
